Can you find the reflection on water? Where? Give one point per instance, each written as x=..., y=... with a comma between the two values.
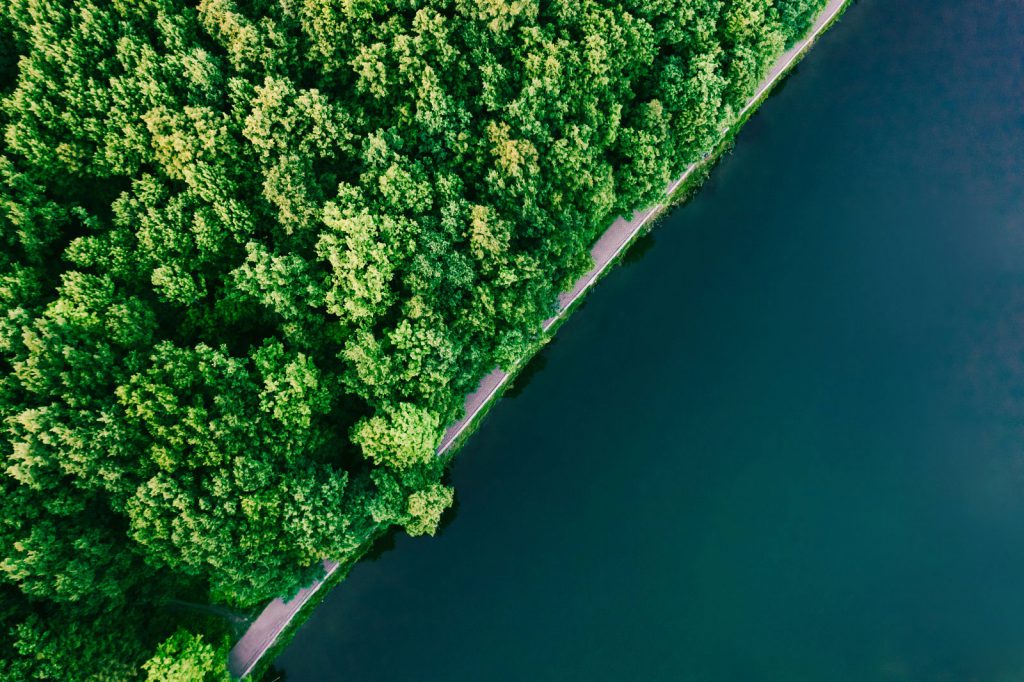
x=640, y=248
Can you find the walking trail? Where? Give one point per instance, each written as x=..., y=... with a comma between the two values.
x=277, y=615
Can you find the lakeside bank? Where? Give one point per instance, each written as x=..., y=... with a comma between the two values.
x=782, y=441
x=271, y=628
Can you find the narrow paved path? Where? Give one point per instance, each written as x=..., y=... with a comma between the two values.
x=272, y=621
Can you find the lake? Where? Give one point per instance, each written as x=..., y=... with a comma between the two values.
x=785, y=439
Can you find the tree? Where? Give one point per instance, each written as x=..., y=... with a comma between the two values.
x=796, y=17
x=357, y=249
x=185, y=657
x=400, y=437
x=425, y=509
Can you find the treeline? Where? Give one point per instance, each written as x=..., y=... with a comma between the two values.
x=254, y=253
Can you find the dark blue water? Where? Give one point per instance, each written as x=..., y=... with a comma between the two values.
x=786, y=443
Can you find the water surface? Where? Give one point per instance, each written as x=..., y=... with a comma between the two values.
x=787, y=442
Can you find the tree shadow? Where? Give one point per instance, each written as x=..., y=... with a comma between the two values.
x=639, y=249
x=448, y=517
x=382, y=545
x=780, y=84
x=534, y=367
x=274, y=674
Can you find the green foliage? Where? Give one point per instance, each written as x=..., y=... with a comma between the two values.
x=425, y=508
x=402, y=437
x=253, y=254
x=58, y=642
x=796, y=17
x=185, y=657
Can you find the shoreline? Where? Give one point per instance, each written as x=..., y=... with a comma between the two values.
x=265, y=632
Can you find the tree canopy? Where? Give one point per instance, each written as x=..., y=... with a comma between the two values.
x=254, y=253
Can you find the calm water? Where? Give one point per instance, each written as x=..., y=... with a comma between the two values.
x=786, y=441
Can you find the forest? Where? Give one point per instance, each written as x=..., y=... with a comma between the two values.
x=253, y=255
